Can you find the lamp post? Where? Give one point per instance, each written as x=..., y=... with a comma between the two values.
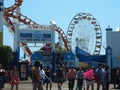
x=1, y=21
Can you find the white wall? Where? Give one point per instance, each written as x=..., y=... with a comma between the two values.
x=113, y=40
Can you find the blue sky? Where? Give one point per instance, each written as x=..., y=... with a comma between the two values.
x=62, y=11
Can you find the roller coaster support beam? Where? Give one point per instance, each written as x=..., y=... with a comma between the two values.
x=1, y=21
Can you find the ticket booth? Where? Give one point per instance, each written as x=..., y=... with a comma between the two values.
x=23, y=70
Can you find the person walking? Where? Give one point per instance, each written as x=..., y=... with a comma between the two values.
x=48, y=79
x=14, y=81
x=71, y=78
x=107, y=77
x=36, y=77
x=89, y=76
x=42, y=72
x=65, y=69
x=118, y=77
x=59, y=76
x=2, y=77
x=80, y=77
x=100, y=71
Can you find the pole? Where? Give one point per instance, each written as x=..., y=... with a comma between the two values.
x=53, y=24
x=53, y=49
x=1, y=22
x=16, y=38
x=109, y=61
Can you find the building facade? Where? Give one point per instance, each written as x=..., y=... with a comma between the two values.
x=113, y=42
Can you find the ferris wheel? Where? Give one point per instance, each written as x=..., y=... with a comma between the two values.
x=84, y=31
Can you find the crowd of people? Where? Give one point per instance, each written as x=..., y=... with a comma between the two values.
x=13, y=79
x=85, y=77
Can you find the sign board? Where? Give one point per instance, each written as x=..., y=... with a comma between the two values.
x=36, y=56
x=35, y=36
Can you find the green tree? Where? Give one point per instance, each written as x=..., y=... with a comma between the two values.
x=60, y=54
x=6, y=57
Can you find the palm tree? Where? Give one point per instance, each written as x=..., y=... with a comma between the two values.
x=59, y=53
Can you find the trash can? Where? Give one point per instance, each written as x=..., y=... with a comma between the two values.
x=23, y=70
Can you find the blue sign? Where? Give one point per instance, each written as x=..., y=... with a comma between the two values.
x=35, y=36
x=36, y=56
x=69, y=56
x=26, y=35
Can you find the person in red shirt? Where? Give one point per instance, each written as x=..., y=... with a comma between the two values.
x=71, y=78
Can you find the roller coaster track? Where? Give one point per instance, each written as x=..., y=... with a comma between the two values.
x=11, y=13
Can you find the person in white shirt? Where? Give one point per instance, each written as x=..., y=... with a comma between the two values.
x=42, y=72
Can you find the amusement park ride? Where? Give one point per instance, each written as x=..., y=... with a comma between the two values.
x=11, y=13
x=85, y=31
x=74, y=35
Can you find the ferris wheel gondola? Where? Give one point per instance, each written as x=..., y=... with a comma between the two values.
x=84, y=31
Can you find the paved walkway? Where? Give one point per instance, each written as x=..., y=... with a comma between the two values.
x=27, y=85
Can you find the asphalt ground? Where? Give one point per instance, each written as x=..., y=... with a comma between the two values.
x=27, y=85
